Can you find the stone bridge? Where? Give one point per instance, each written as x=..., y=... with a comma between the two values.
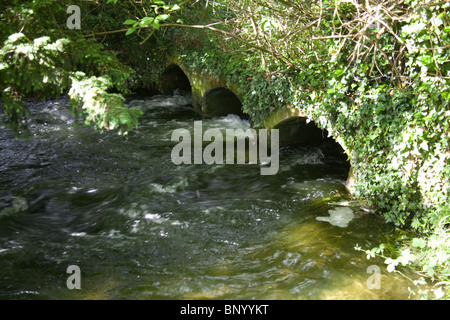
x=215, y=97
x=211, y=94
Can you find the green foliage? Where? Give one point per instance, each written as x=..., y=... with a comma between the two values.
x=102, y=109
x=35, y=18
x=42, y=68
x=30, y=67
x=152, y=21
x=52, y=60
x=145, y=49
x=429, y=256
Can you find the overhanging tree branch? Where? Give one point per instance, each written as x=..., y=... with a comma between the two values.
x=204, y=27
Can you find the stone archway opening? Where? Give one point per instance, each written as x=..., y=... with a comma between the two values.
x=301, y=132
x=174, y=78
x=221, y=102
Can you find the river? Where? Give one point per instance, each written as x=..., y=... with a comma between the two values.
x=140, y=227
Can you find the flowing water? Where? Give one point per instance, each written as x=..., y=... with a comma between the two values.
x=140, y=227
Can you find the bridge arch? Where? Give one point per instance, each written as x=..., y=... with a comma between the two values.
x=175, y=78
x=221, y=101
x=296, y=129
x=300, y=130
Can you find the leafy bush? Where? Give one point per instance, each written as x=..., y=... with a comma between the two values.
x=42, y=68
x=429, y=256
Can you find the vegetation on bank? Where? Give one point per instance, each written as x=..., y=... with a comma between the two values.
x=375, y=74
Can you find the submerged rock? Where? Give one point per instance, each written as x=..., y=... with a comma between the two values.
x=339, y=217
x=17, y=205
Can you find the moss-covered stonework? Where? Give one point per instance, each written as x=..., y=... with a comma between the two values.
x=202, y=84
x=275, y=118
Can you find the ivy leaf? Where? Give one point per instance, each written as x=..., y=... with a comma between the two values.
x=155, y=24
x=162, y=17
x=446, y=95
x=391, y=264
x=418, y=243
x=426, y=59
x=146, y=21
x=391, y=268
x=424, y=145
x=439, y=293
x=130, y=31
